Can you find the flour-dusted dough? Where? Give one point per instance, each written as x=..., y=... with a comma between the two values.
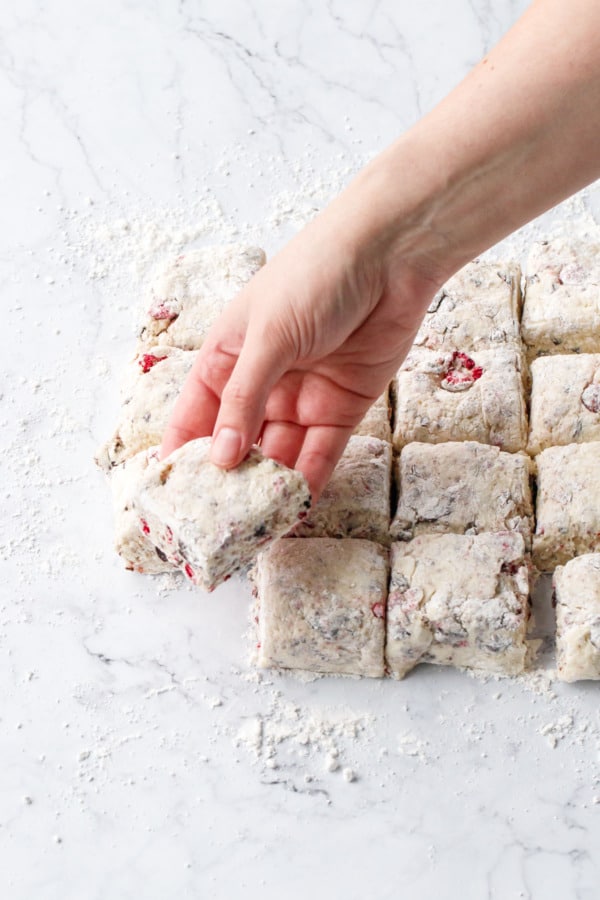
x=132, y=545
x=356, y=501
x=458, y=600
x=561, y=311
x=188, y=293
x=452, y=396
x=567, y=505
x=577, y=597
x=464, y=488
x=565, y=400
x=478, y=308
x=210, y=522
x=376, y=421
x=321, y=606
x=152, y=384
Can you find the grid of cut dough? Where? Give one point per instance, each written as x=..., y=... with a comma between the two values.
x=455, y=426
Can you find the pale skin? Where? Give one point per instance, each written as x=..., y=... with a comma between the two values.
x=304, y=349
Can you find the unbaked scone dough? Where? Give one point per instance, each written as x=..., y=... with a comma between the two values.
x=132, y=545
x=565, y=400
x=567, y=504
x=188, y=293
x=211, y=522
x=561, y=311
x=321, y=606
x=376, y=421
x=452, y=396
x=356, y=501
x=477, y=309
x=152, y=385
x=458, y=600
x=577, y=598
x=464, y=488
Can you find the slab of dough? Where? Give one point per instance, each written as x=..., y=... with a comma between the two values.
x=188, y=292
x=321, y=606
x=561, y=311
x=152, y=385
x=356, y=501
x=458, y=600
x=376, y=421
x=210, y=522
x=565, y=400
x=567, y=504
x=132, y=545
x=577, y=597
x=477, y=309
x=456, y=397
x=462, y=488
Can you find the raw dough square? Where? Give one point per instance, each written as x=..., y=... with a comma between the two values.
x=577, y=597
x=210, y=522
x=561, y=311
x=462, y=488
x=188, y=292
x=458, y=600
x=321, y=606
x=477, y=309
x=565, y=400
x=138, y=553
x=376, y=421
x=356, y=501
x=567, y=505
x=152, y=384
x=451, y=396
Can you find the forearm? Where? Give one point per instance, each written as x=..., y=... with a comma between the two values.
x=518, y=135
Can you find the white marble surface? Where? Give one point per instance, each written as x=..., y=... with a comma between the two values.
x=130, y=719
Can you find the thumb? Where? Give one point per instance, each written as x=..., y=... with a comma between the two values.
x=261, y=363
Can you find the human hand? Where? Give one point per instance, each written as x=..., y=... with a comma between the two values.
x=300, y=354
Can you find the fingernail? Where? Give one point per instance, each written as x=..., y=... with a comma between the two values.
x=225, y=447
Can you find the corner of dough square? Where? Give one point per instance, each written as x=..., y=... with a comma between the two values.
x=454, y=396
x=152, y=384
x=462, y=488
x=458, y=600
x=478, y=308
x=567, y=504
x=376, y=421
x=356, y=501
x=565, y=400
x=561, y=311
x=210, y=522
x=577, y=596
x=132, y=545
x=188, y=292
x=321, y=606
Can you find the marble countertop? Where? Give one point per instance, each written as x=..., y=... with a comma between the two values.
x=142, y=755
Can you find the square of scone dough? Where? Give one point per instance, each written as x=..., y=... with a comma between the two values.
x=460, y=600
x=132, y=545
x=462, y=488
x=356, y=501
x=561, y=309
x=211, y=522
x=478, y=308
x=577, y=598
x=453, y=396
x=567, y=504
x=376, y=421
x=152, y=384
x=188, y=292
x=321, y=606
x=565, y=400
